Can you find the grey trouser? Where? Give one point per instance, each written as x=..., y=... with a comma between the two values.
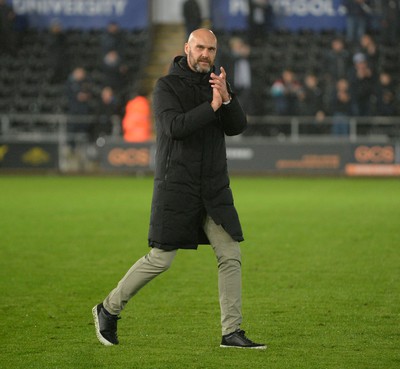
x=227, y=252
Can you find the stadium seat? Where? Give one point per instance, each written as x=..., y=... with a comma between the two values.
x=27, y=75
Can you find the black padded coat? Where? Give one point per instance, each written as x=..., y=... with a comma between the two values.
x=191, y=177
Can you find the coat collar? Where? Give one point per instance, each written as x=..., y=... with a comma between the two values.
x=180, y=67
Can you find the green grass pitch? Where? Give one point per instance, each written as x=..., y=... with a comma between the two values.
x=321, y=276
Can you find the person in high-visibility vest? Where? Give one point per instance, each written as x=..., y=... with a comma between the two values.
x=136, y=123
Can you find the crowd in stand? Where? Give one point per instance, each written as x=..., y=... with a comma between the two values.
x=116, y=97
x=370, y=90
x=101, y=87
x=80, y=91
x=353, y=83
x=351, y=79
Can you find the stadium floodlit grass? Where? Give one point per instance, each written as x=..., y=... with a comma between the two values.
x=321, y=272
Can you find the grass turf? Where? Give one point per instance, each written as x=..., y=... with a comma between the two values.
x=320, y=274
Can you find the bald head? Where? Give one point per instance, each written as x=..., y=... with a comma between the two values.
x=202, y=33
x=201, y=49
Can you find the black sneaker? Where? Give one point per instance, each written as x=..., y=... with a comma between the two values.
x=237, y=339
x=106, y=326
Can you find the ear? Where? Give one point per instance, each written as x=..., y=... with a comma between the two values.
x=186, y=48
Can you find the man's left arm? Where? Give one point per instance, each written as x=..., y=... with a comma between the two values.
x=232, y=116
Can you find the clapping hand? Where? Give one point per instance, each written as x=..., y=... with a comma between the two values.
x=220, y=89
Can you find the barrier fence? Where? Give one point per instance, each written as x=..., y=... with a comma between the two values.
x=271, y=145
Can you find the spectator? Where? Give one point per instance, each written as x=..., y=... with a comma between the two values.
x=285, y=93
x=136, y=124
x=192, y=16
x=105, y=111
x=115, y=72
x=370, y=49
x=390, y=22
x=336, y=65
x=8, y=37
x=237, y=64
x=342, y=107
x=260, y=20
x=79, y=94
x=358, y=12
x=58, y=56
x=337, y=60
x=112, y=39
x=311, y=97
x=362, y=86
x=311, y=102
x=386, y=95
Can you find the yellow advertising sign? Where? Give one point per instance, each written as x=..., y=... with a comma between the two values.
x=3, y=151
x=36, y=156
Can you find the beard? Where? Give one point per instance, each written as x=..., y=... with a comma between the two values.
x=195, y=64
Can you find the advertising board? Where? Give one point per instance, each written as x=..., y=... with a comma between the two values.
x=288, y=14
x=82, y=14
x=16, y=155
x=252, y=157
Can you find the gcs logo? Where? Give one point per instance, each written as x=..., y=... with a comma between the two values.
x=374, y=154
x=129, y=157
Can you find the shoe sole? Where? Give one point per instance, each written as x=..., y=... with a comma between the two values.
x=244, y=347
x=97, y=325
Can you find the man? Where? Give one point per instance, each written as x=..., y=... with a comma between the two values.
x=358, y=12
x=8, y=37
x=191, y=15
x=237, y=63
x=390, y=21
x=260, y=20
x=192, y=201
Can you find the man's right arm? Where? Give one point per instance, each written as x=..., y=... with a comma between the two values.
x=171, y=119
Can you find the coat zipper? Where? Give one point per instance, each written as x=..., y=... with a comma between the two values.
x=168, y=161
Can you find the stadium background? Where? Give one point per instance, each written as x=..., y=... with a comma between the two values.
x=321, y=277
x=35, y=116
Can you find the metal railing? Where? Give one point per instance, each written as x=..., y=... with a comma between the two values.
x=298, y=128
x=50, y=127
x=54, y=127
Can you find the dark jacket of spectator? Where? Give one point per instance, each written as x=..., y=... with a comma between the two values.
x=362, y=88
x=8, y=37
x=358, y=12
x=79, y=92
x=386, y=104
x=390, y=25
x=311, y=97
x=58, y=56
x=357, y=7
x=192, y=15
x=113, y=39
x=260, y=19
x=107, y=107
x=114, y=71
x=371, y=51
x=337, y=61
